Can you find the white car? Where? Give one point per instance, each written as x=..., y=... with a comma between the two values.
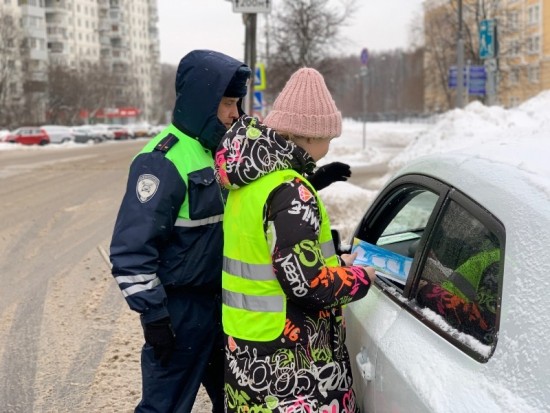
x=103, y=131
x=86, y=134
x=443, y=330
x=58, y=133
x=4, y=133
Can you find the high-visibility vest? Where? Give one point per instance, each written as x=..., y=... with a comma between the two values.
x=464, y=281
x=254, y=304
x=187, y=156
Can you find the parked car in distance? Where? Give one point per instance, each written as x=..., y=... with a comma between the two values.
x=85, y=134
x=104, y=131
x=140, y=130
x=4, y=133
x=458, y=319
x=29, y=135
x=58, y=133
x=119, y=131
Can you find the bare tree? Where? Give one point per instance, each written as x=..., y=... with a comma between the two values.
x=11, y=104
x=305, y=33
x=167, y=93
x=440, y=36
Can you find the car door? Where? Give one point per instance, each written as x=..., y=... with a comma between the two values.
x=36, y=136
x=409, y=358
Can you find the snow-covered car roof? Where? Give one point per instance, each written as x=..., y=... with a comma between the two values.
x=496, y=175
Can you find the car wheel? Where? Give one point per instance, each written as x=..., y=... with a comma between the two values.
x=43, y=142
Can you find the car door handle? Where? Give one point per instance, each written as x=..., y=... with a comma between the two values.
x=364, y=365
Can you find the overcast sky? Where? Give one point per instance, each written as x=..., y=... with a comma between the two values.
x=185, y=25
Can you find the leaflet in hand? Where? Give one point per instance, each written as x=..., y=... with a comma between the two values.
x=387, y=263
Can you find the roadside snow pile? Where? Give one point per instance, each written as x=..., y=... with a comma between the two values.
x=477, y=124
x=346, y=204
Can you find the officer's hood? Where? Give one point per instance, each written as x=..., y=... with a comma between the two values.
x=201, y=80
x=250, y=150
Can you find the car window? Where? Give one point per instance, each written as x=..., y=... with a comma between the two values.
x=400, y=223
x=440, y=255
x=411, y=218
x=459, y=280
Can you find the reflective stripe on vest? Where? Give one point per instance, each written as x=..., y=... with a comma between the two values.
x=254, y=304
x=464, y=281
x=190, y=223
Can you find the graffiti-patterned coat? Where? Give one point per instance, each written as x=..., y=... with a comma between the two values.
x=307, y=368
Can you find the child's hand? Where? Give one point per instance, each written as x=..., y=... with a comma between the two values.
x=348, y=258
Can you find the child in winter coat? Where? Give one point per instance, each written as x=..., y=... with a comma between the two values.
x=283, y=285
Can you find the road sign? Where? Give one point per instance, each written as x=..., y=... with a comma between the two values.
x=259, y=77
x=251, y=6
x=487, y=39
x=258, y=101
x=474, y=78
x=364, y=56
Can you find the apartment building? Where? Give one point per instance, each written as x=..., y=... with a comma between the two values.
x=525, y=61
x=118, y=35
x=523, y=58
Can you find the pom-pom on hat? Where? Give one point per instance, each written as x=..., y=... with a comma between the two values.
x=305, y=108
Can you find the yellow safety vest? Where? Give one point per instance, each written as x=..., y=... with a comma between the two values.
x=254, y=304
x=187, y=156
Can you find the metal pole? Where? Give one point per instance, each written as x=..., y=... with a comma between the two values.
x=460, y=61
x=364, y=72
x=250, y=58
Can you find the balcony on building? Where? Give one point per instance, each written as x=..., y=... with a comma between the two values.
x=104, y=41
x=120, y=66
x=57, y=47
x=120, y=56
x=105, y=53
x=115, y=14
x=154, y=48
x=104, y=26
x=153, y=13
x=153, y=33
x=56, y=7
x=56, y=33
x=103, y=4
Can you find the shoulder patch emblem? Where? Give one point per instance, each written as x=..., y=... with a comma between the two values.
x=305, y=194
x=146, y=187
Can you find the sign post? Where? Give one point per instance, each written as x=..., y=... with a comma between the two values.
x=488, y=50
x=364, y=74
x=250, y=8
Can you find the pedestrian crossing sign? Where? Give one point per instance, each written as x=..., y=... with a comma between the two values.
x=258, y=100
x=259, y=77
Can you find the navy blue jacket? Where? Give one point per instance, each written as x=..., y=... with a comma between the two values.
x=149, y=252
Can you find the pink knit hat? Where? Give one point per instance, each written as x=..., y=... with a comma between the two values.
x=305, y=107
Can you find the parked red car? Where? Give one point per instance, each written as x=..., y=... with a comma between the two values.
x=29, y=135
x=119, y=131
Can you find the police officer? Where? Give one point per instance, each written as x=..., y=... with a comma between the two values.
x=166, y=249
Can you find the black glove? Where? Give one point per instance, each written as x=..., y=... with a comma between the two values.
x=160, y=335
x=329, y=173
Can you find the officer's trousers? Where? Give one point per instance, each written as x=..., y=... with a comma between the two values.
x=198, y=359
